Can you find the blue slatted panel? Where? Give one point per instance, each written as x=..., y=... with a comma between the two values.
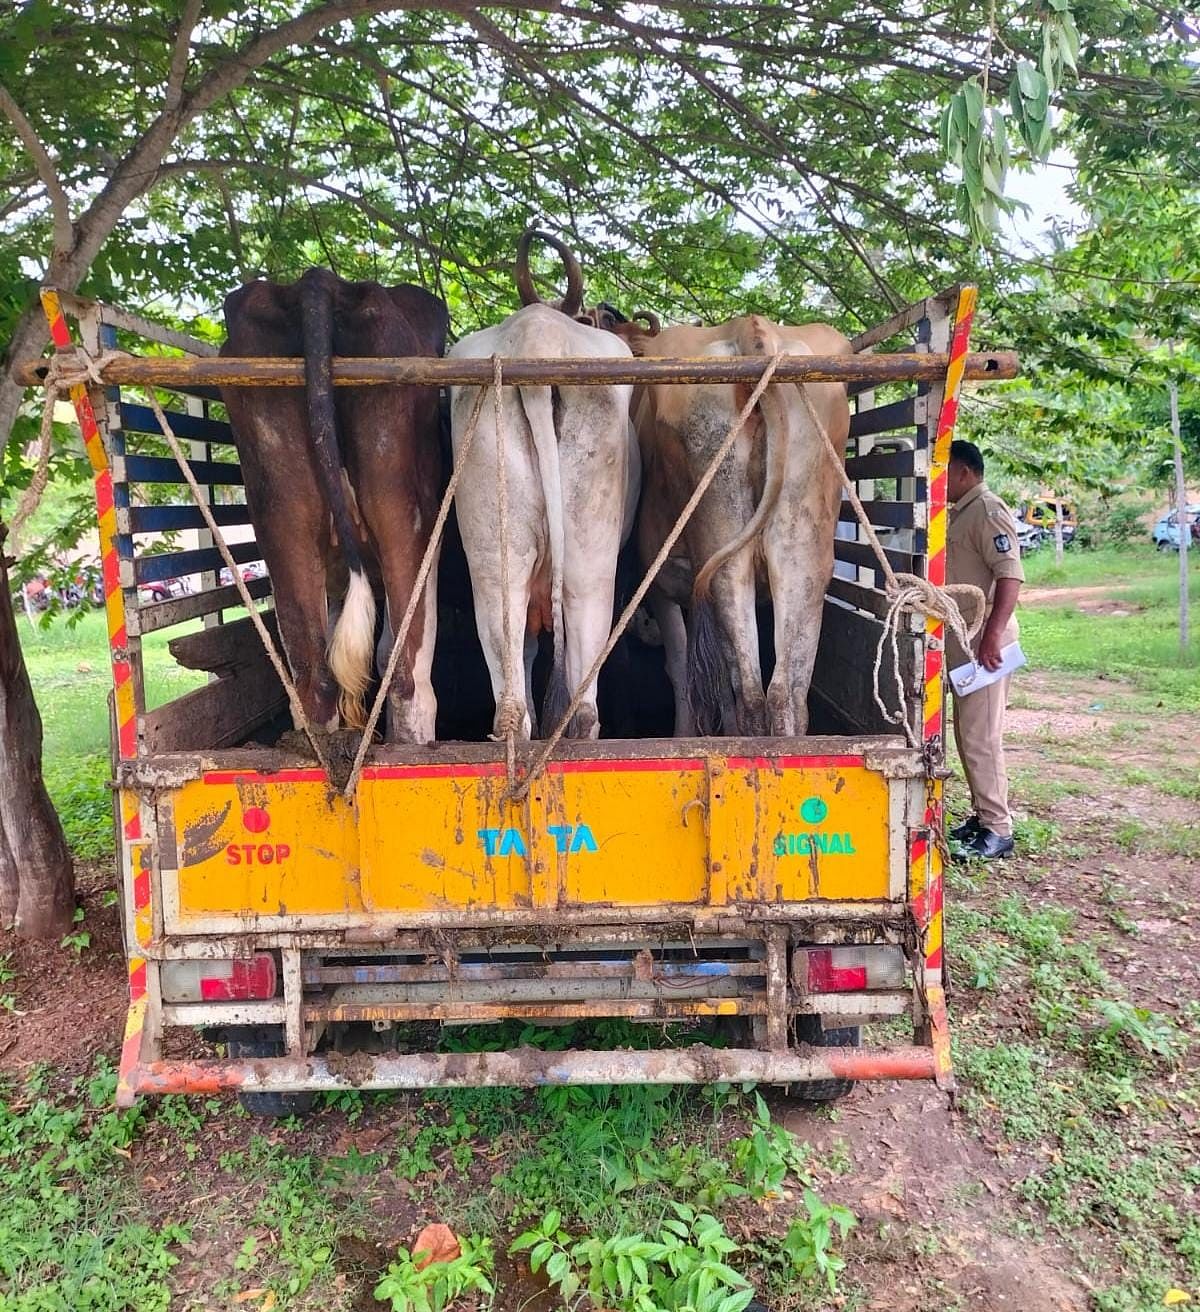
x=165, y=519
x=191, y=428
x=162, y=469
x=890, y=514
x=173, y=564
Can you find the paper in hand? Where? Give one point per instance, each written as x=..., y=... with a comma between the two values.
x=971, y=677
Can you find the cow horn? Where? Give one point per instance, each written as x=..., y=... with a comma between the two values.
x=650, y=319
x=572, y=302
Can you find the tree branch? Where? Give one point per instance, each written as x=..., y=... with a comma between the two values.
x=179, y=55
x=60, y=206
x=504, y=45
x=371, y=211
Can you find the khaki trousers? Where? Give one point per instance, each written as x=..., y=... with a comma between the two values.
x=979, y=733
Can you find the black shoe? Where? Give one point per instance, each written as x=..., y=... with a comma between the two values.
x=964, y=832
x=988, y=845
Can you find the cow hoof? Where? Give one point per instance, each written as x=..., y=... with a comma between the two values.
x=753, y=721
x=585, y=723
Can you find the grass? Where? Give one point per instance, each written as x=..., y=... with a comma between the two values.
x=1090, y=1103
x=284, y=1213
x=1141, y=648
x=1118, y=566
x=69, y=668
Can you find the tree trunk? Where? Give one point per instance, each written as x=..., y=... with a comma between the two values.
x=27, y=342
x=9, y=887
x=32, y=845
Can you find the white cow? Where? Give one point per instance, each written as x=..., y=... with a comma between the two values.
x=573, y=474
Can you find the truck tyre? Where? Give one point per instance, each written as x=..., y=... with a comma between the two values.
x=265, y=1041
x=808, y=1030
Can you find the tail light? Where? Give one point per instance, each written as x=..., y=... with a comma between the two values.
x=849, y=969
x=220, y=981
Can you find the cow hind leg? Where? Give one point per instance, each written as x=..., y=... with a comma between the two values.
x=673, y=631
x=588, y=618
x=733, y=602
x=489, y=620
x=412, y=703
x=798, y=583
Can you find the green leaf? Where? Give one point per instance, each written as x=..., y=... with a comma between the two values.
x=1000, y=134
x=1016, y=100
x=992, y=180
x=557, y=1267
x=1031, y=82
x=972, y=94
x=946, y=134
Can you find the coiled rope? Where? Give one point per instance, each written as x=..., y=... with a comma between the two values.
x=905, y=592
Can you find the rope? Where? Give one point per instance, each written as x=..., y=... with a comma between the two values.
x=636, y=600
x=61, y=376
x=431, y=550
x=905, y=592
x=508, y=714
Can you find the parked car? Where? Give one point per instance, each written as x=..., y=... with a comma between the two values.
x=1029, y=537
x=162, y=590
x=254, y=570
x=1165, y=534
x=1041, y=512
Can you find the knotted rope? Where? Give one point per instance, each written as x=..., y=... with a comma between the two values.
x=905, y=592
x=62, y=374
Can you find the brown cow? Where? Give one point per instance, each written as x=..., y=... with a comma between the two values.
x=766, y=525
x=342, y=486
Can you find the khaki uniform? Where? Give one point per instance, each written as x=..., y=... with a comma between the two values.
x=981, y=547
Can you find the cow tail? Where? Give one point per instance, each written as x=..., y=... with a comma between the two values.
x=539, y=411
x=352, y=643
x=757, y=337
x=706, y=672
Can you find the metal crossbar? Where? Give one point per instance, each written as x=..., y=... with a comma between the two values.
x=263, y=371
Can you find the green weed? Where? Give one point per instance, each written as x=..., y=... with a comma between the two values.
x=1143, y=1030
x=409, y=1287
x=416, y=1158
x=684, y=1266
x=1035, y=835
x=768, y=1153
x=8, y=1001
x=808, y=1244
x=65, y=1237
x=80, y=938
x=1165, y=839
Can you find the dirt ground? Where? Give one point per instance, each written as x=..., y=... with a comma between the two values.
x=940, y=1223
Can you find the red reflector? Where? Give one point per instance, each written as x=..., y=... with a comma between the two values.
x=239, y=980
x=825, y=977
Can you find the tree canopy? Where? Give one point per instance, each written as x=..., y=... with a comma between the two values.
x=705, y=156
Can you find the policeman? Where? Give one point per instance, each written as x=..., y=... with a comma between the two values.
x=981, y=548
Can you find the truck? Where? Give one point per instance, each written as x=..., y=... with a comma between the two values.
x=774, y=907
